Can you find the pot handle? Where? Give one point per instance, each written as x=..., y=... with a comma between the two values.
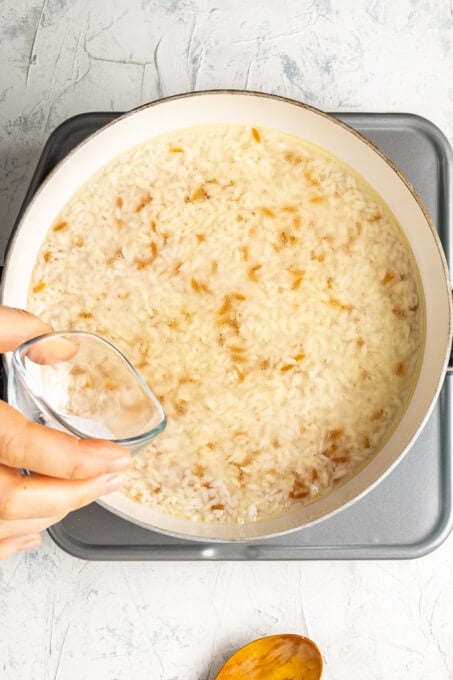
x=450, y=360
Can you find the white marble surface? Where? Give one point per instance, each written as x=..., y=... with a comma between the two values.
x=61, y=618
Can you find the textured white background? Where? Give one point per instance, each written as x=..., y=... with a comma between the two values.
x=64, y=619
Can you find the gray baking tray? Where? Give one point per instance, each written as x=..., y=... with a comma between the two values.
x=410, y=512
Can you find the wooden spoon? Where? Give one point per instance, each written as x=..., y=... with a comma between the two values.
x=278, y=657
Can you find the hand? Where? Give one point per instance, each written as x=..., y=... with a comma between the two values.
x=69, y=472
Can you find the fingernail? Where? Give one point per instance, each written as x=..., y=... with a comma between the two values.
x=112, y=482
x=118, y=464
x=28, y=541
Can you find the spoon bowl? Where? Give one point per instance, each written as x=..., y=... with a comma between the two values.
x=278, y=657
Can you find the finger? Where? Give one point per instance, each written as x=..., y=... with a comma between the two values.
x=24, y=444
x=9, y=546
x=18, y=326
x=39, y=496
x=23, y=527
x=51, y=350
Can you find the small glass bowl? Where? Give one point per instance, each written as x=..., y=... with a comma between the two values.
x=79, y=383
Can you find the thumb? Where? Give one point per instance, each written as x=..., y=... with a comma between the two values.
x=17, y=326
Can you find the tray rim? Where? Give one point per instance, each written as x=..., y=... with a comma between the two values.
x=256, y=550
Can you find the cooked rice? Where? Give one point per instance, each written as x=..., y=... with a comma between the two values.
x=266, y=296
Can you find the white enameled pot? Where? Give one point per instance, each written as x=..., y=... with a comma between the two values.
x=337, y=138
